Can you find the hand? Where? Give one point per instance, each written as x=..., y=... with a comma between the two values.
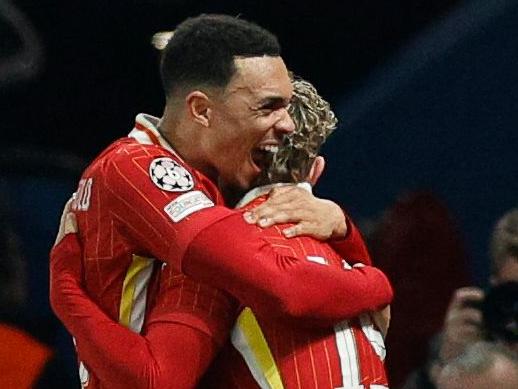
x=382, y=320
x=65, y=256
x=463, y=323
x=65, y=264
x=318, y=218
x=67, y=223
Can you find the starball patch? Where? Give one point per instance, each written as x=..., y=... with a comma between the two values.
x=170, y=176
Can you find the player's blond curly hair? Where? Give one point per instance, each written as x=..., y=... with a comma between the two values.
x=314, y=122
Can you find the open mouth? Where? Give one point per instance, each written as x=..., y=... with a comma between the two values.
x=262, y=155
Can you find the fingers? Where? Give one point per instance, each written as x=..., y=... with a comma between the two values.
x=382, y=320
x=67, y=224
x=285, y=197
x=464, y=297
x=464, y=316
x=306, y=229
x=469, y=293
x=266, y=218
x=289, y=191
x=65, y=258
x=284, y=204
x=296, y=230
x=314, y=217
x=462, y=309
x=67, y=208
x=463, y=322
x=70, y=224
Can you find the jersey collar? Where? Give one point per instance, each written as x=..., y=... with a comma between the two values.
x=262, y=190
x=146, y=132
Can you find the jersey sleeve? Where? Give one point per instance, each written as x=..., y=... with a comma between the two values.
x=162, y=208
x=180, y=299
x=352, y=247
x=153, y=195
x=169, y=353
x=232, y=255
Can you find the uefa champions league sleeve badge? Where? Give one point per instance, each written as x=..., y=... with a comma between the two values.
x=168, y=175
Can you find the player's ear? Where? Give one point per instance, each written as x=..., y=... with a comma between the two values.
x=199, y=107
x=316, y=170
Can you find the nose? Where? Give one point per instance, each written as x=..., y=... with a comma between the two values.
x=285, y=123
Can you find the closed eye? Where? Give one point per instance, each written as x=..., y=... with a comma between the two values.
x=272, y=104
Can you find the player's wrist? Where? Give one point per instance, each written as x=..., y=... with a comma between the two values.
x=341, y=229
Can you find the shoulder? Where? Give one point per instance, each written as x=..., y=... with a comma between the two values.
x=127, y=165
x=132, y=159
x=127, y=150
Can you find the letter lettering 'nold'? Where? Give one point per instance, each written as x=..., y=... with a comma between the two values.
x=83, y=194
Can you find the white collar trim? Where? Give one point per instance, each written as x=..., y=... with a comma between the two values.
x=262, y=190
x=150, y=123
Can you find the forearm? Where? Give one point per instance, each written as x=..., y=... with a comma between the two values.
x=351, y=247
x=103, y=344
x=260, y=278
x=115, y=354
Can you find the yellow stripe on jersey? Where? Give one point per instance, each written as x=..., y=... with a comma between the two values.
x=249, y=340
x=134, y=293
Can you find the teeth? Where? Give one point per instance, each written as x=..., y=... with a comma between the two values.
x=270, y=148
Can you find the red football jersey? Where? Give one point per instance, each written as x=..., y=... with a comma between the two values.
x=138, y=201
x=124, y=205
x=275, y=353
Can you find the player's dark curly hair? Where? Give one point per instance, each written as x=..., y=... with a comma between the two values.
x=202, y=50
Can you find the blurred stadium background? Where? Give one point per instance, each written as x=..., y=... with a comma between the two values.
x=426, y=93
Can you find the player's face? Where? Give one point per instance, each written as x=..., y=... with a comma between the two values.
x=250, y=119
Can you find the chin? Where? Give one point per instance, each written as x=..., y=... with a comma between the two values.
x=241, y=180
x=247, y=181
x=244, y=185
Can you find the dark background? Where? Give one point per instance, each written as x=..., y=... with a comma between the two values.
x=99, y=68
x=426, y=93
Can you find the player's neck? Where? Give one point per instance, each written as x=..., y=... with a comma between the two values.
x=182, y=139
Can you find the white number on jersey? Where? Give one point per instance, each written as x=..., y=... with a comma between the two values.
x=83, y=194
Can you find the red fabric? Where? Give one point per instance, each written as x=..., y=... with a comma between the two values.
x=305, y=358
x=169, y=350
x=275, y=276
x=352, y=248
x=117, y=355
x=309, y=357
x=120, y=212
x=125, y=216
x=22, y=358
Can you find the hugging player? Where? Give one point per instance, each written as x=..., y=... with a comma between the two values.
x=144, y=199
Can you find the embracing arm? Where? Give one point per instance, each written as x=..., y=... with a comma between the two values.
x=168, y=353
x=251, y=270
x=214, y=244
x=319, y=218
x=351, y=247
